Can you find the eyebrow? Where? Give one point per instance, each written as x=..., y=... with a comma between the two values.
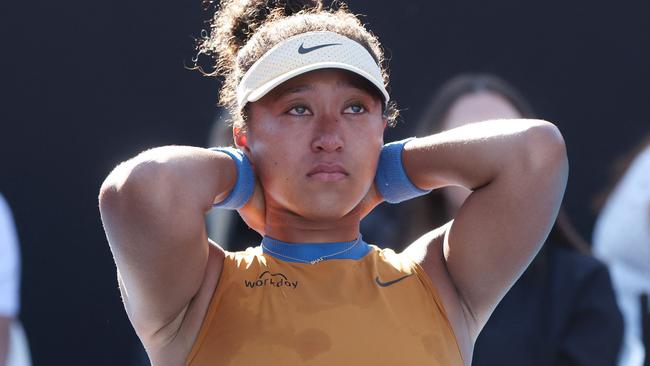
x=361, y=85
x=295, y=90
x=354, y=84
x=351, y=84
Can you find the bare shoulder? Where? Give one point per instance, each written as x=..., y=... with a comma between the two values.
x=184, y=330
x=427, y=251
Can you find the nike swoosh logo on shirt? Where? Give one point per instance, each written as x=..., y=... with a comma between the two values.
x=302, y=49
x=385, y=284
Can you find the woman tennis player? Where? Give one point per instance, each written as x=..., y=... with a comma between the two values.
x=308, y=91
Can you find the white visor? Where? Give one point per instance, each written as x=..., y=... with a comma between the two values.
x=303, y=53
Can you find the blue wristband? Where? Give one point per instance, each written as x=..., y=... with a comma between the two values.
x=391, y=179
x=243, y=189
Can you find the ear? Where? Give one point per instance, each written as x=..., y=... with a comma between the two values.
x=240, y=136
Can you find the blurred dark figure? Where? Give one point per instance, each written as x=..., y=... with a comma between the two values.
x=562, y=311
x=622, y=240
x=13, y=343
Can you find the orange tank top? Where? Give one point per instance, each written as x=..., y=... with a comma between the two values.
x=380, y=309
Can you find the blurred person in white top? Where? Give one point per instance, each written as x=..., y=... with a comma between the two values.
x=9, y=277
x=13, y=345
x=621, y=238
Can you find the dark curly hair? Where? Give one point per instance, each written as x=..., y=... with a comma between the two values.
x=241, y=31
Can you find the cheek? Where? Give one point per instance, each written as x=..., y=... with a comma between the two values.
x=267, y=161
x=274, y=163
x=367, y=140
x=365, y=148
x=265, y=144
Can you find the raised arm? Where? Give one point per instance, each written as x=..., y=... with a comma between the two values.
x=517, y=170
x=153, y=208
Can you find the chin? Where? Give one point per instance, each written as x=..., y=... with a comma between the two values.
x=328, y=208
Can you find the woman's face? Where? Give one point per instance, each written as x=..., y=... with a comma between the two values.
x=315, y=142
x=474, y=107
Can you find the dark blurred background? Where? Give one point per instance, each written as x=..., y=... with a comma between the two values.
x=87, y=84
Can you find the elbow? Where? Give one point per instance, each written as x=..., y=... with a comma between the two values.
x=111, y=191
x=108, y=195
x=134, y=182
x=545, y=149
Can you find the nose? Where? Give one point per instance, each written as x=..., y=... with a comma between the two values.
x=328, y=136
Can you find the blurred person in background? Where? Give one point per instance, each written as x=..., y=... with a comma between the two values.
x=562, y=310
x=13, y=343
x=622, y=240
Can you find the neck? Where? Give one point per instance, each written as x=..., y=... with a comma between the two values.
x=290, y=227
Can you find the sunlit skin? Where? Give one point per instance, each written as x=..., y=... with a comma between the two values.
x=475, y=107
x=315, y=143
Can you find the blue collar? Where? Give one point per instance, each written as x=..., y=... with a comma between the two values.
x=312, y=252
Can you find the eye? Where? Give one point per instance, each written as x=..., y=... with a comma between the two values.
x=355, y=109
x=299, y=110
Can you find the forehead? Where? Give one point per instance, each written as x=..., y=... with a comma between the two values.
x=335, y=78
x=479, y=106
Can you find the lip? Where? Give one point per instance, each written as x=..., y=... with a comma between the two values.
x=328, y=172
